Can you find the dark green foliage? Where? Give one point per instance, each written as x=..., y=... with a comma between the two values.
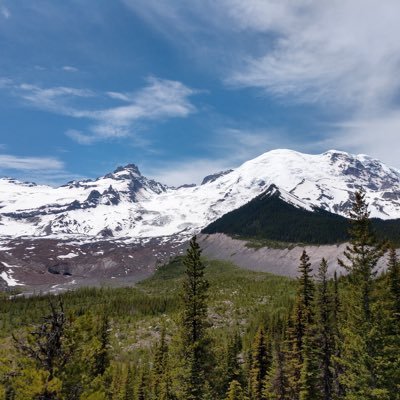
x=102, y=357
x=325, y=331
x=276, y=385
x=193, y=325
x=299, y=357
x=235, y=391
x=129, y=386
x=260, y=364
x=269, y=217
x=393, y=282
x=332, y=340
x=361, y=345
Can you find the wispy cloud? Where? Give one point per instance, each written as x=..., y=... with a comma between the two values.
x=187, y=171
x=230, y=148
x=160, y=99
x=11, y=162
x=323, y=51
x=307, y=51
x=69, y=68
x=5, y=12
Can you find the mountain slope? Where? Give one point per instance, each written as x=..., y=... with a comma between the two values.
x=125, y=204
x=271, y=216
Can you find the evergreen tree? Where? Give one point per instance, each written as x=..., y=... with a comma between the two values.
x=166, y=391
x=235, y=392
x=276, y=387
x=160, y=364
x=102, y=357
x=325, y=330
x=129, y=385
x=393, y=277
x=232, y=368
x=142, y=388
x=260, y=365
x=302, y=318
x=44, y=346
x=338, y=370
x=194, y=323
x=362, y=256
x=360, y=347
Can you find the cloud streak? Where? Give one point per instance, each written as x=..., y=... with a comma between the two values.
x=160, y=99
x=11, y=162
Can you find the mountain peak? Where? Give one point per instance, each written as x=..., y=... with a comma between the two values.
x=133, y=168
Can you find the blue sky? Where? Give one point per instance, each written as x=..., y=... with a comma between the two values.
x=184, y=89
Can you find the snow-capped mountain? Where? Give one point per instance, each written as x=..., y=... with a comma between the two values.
x=127, y=204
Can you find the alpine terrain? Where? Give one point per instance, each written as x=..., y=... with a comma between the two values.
x=123, y=224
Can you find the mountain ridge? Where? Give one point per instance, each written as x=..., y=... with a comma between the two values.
x=126, y=204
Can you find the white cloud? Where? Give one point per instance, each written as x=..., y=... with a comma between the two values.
x=160, y=99
x=230, y=148
x=5, y=12
x=186, y=171
x=80, y=137
x=377, y=136
x=343, y=56
x=345, y=52
x=55, y=99
x=11, y=162
x=69, y=68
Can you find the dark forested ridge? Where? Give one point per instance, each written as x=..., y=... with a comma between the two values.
x=206, y=330
x=270, y=217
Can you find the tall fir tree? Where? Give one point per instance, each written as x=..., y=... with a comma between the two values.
x=276, y=386
x=302, y=318
x=325, y=330
x=102, y=357
x=160, y=364
x=193, y=326
x=45, y=346
x=393, y=278
x=129, y=385
x=232, y=368
x=360, y=346
x=235, y=392
x=259, y=366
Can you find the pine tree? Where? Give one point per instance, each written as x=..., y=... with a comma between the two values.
x=142, y=388
x=362, y=255
x=260, y=365
x=360, y=346
x=44, y=346
x=235, y=392
x=195, y=341
x=232, y=369
x=338, y=370
x=276, y=387
x=102, y=358
x=129, y=385
x=393, y=277
x=302, y=318
x=325, y=330
x=166, y=391
x=160, y=364
x=387, y=330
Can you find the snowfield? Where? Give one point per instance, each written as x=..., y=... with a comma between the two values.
x=126, y=204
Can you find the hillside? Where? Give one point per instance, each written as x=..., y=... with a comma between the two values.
x=270, y=217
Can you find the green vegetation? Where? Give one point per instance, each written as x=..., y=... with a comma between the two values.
x=204, y=330
x=270, y=221
x=238, y=302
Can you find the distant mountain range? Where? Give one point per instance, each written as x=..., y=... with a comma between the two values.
x=126, y=205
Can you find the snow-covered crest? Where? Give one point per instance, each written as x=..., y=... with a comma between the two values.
x=126, y=204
